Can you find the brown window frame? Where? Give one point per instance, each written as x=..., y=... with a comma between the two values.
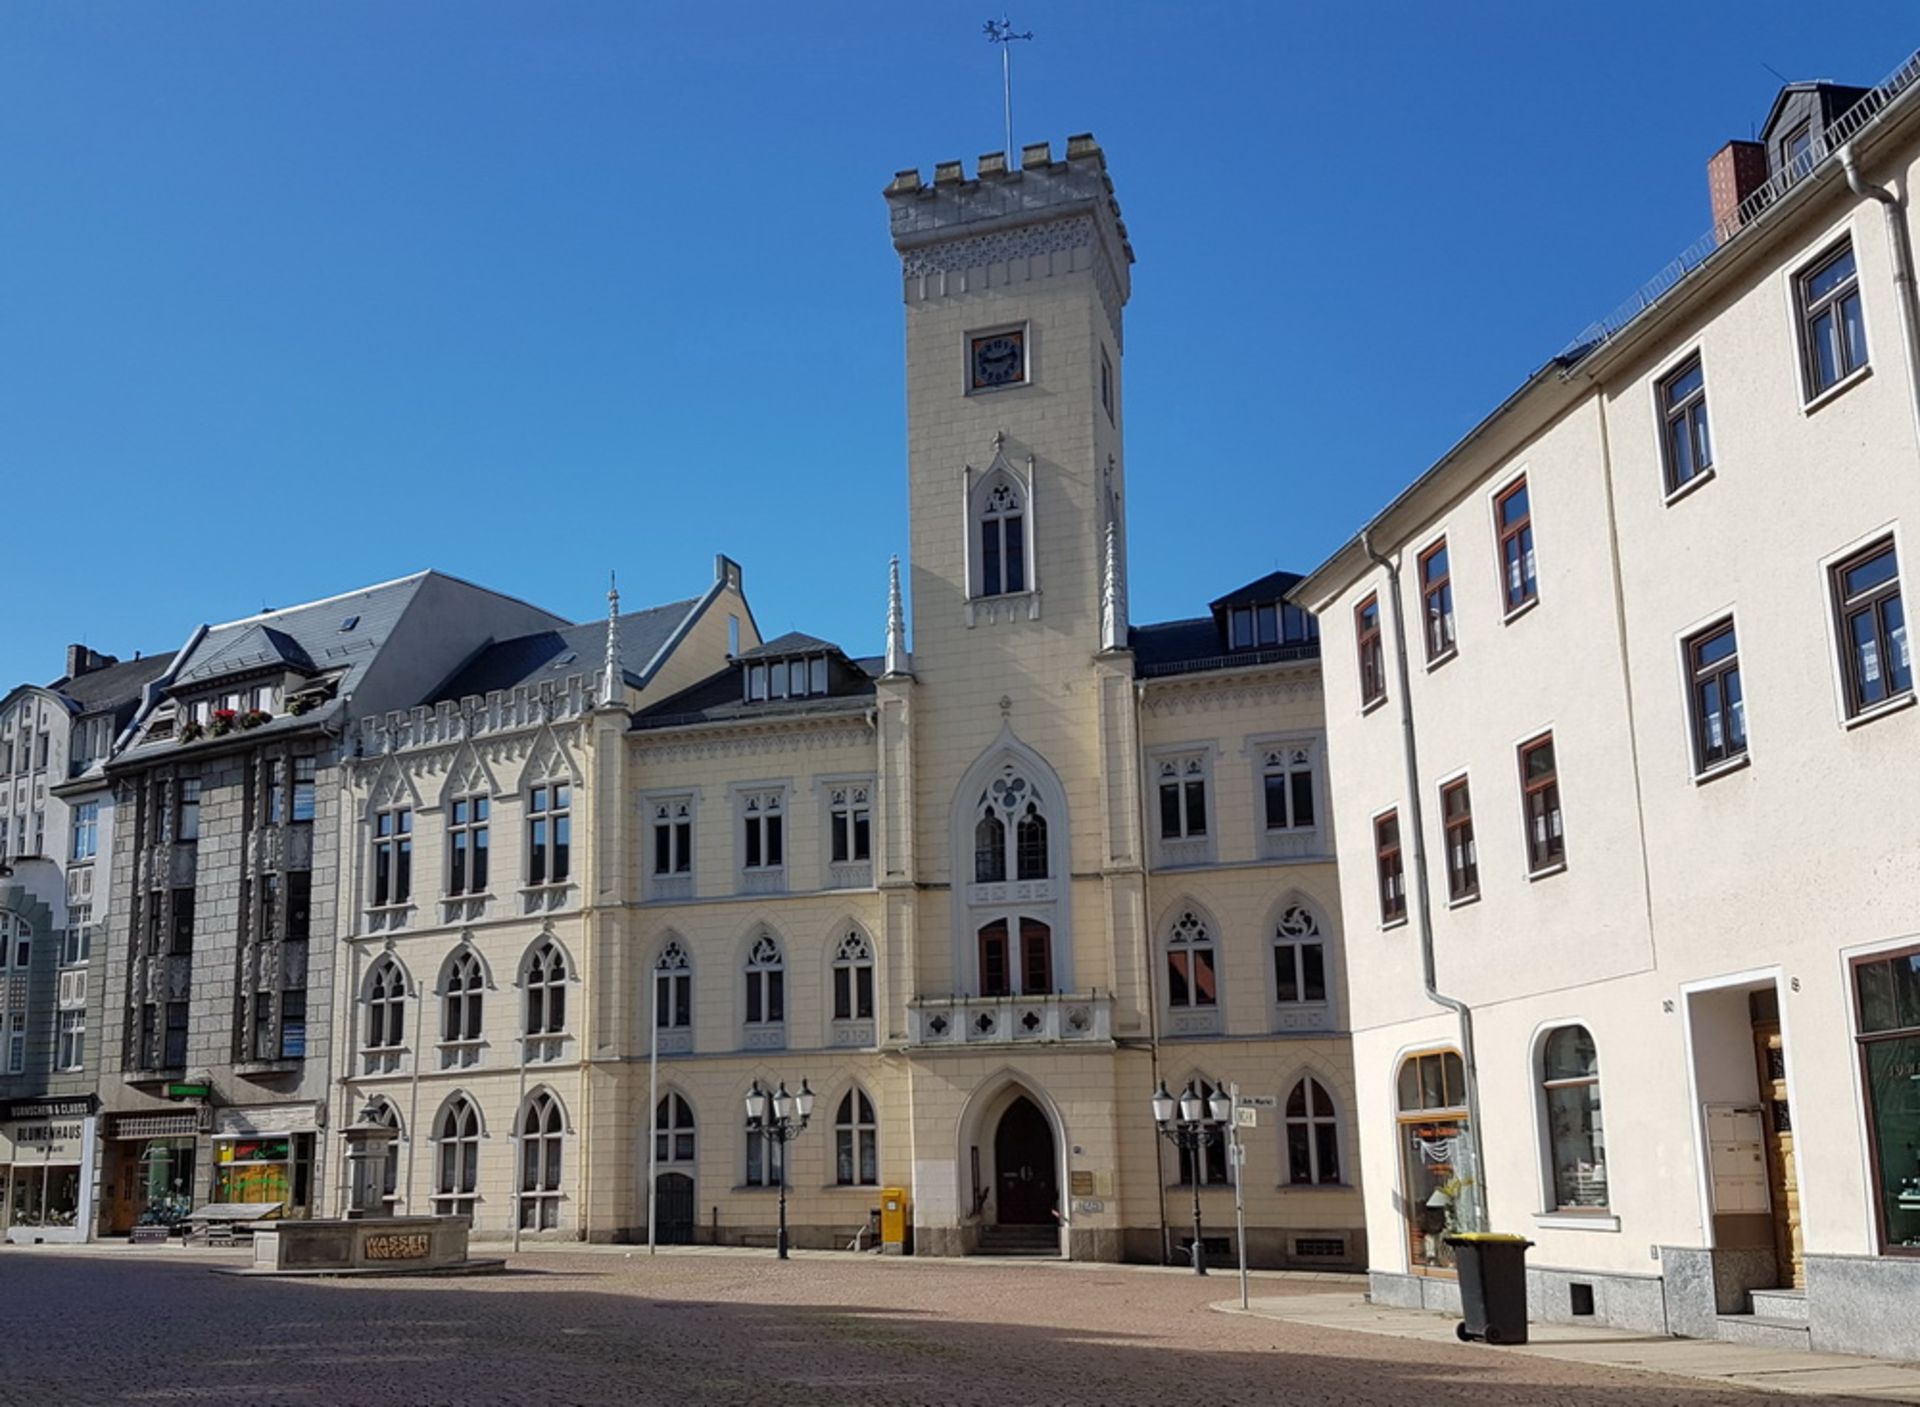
x=1463, y=856
x=1808, y=310
x=1370, y=651
x=1549, y=853
x=1846, y=608
x=1718, y=674
x=1436, y=604
x=1519, y=536
x=1390, y=872
x=1688, y=416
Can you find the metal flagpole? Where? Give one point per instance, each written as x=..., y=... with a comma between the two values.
x=1237, y=1157
x=653, y=1117
x=1000, y=32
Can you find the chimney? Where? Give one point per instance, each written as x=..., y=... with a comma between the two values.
x=81, y=660
x=1736, y=171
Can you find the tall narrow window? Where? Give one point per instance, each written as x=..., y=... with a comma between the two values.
x=182, y=922
x=856, y=1138
x=460, y=1000
x=1436, y=600
x=276, y=788
x=1833, y=335
x=1183, y=798
x=673, y=988
x=457, y=1169
x=989, y=848
x=1719, y=710
x=1190, y=964
x=1031, y=844
x=996, y=972
x=673, y=1130
x=540, y=1144
x=175, y=1055
x=86, y=830
x=1313, y=1135
x=764, y=833
x=1570, y=1085
x=1513, y=518
x=1286, y=780
x=299, y=905
x=766, y=983
x=293, y=1024
x=549, y=833
x=1002, y=542
x=1686, y=446
x=1373, y=663
x=850, y=823
x=1392, y=880
x=1540, y=789
x=186, y=820
x=1886, y=988
x=1873, y=627
x=1036, y=957
x=673, y=837
x=467, y=845
x=72, y=1053
x=392, y=856
x=303, y=789
x=766, y=1160
x=1463, y=859
x=386, y=1006
x=853, y=979
x=546, y=984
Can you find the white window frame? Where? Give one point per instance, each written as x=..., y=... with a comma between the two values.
x=756, y=803
x=860, y=1133
x=669, y=811
x=843, y=799
x=1274, y=753
x=975, y=489
x=71, y=1050
x=1180, y=765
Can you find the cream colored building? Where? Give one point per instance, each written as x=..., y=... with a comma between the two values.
x=982, y=897
x=1665, y=784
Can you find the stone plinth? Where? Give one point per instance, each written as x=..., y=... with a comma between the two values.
x=388, y=1245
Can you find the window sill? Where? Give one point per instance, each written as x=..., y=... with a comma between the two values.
x=1881, y=710
x=1705, y=476
x=1721, y=769
x=1447, y=656
x=1316, y=1187
x=872, y=1187
x=1547, y=871
x=1464, y=900
x=1392, y=924
x=1369, y=705
x=1185, y=1189
x=1837, y=389
x=284, y=1065
x=1522, y=609
x=1578, y=1221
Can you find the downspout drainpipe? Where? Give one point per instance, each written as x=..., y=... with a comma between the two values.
x=1903, y=280
x=1475, y=1188
x=1146, y=948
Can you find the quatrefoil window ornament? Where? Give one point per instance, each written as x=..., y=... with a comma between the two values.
x=1008, y=792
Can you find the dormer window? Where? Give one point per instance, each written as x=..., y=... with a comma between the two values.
x=1267, y=625
x=795, y=678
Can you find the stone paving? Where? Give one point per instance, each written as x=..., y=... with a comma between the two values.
x=112, y=1325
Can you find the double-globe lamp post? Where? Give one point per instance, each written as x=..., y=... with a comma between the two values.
x=1191, y=1122
x=778, y=1117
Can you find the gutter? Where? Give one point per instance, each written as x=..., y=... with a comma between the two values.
x=1898, y=238
x=1475, y=1187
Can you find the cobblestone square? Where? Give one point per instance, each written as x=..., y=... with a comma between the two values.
x=722, y=1330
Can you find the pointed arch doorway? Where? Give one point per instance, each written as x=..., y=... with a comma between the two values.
x=1026, y=1173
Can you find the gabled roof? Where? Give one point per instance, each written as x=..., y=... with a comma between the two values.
x=114, y=685
x=575, y=649
x=1271, y=587
x=256, y=647
x=794, y=642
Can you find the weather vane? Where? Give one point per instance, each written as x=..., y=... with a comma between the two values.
x=1000, y=32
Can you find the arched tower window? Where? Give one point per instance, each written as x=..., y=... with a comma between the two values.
x=1003, y=543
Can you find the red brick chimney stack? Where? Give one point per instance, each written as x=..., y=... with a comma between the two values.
x=1736, y=171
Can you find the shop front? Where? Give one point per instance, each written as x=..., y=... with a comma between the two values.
x=151, y=1160
x=46, y=1168
x=264, y=1158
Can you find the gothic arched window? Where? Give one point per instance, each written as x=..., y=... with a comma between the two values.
x=989, y=847
x=856, y=1141
x=1003, y=542
x=673, y=988
x=673, y=1136
x=460, y=997
x=540, y=1130
x=1010, y=798
x=457, y=1174
x=546, y=984
x=853, y=978
x=386, y=1005
x=1190, y=963
x=766, y=983
x=383, y=1112
x=1313, y=1134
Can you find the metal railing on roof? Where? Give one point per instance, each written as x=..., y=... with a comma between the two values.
x=1240, y=659
x=1842, y=130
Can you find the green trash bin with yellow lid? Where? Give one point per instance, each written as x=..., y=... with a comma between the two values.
x=1492, y=1266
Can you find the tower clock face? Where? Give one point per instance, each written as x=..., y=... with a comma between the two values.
x=998, y=359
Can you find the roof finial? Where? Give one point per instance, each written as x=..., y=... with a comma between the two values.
x=1113, y=595
x=613, y=680
x=897, y=662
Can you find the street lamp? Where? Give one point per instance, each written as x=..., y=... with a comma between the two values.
x=778, y=1117
x=1191, y=1122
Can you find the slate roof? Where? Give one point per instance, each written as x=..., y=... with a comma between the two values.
x=576, y=649
x=113, y=686
x=1271, y=587
x=1174, y=642
x=259, y=646
x=716, y=699
x=794, y=642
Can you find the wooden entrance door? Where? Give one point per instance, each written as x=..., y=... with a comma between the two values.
x=1783, y=1182
x=673, y=1210
x=1023, y=1165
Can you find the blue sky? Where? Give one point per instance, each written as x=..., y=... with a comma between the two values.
x=301, y=297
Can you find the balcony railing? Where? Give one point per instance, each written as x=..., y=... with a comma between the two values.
x=1038, y=1020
